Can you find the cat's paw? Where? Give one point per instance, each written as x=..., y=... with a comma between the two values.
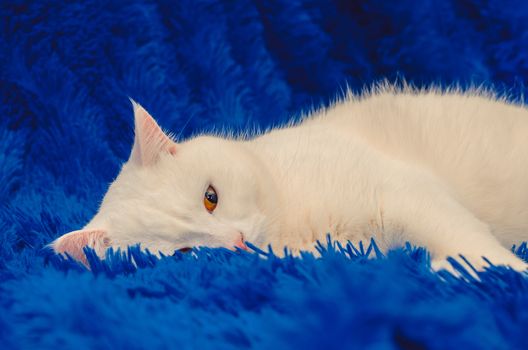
x=443, y=265
x=459, y=267
x=473, y=265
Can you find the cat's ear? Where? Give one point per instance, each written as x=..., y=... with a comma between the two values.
x=74, y=242
x=149, y=140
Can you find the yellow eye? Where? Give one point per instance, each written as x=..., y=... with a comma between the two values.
x=210, y=199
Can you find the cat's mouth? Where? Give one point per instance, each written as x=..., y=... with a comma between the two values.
x=241, y=244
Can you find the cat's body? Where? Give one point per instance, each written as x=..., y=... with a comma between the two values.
x=442, y=170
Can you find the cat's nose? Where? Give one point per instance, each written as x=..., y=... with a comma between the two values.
x=240, y=243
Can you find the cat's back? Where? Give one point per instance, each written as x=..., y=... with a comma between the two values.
x=476, y=144
x=412, y=124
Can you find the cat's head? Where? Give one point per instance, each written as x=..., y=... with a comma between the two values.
x=169, y=196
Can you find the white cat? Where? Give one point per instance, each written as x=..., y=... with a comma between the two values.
x=444, y=170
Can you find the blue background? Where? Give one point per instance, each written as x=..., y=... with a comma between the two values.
x=66, y=126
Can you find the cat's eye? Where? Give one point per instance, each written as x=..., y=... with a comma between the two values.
x=210, y=199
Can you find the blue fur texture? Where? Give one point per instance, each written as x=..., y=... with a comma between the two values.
x=66, y=70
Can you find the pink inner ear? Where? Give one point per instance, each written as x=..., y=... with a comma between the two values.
x=150, y=141
x=74, y=242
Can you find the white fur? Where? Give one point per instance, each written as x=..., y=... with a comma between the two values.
x=445, y=170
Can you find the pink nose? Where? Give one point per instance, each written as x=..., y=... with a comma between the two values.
x=239, y=243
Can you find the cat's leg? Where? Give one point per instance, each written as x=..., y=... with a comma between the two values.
x=424, y=213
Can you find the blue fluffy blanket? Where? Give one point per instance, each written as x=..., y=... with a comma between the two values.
x=66, y=126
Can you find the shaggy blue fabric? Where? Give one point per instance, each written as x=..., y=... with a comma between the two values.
x=66, y=70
